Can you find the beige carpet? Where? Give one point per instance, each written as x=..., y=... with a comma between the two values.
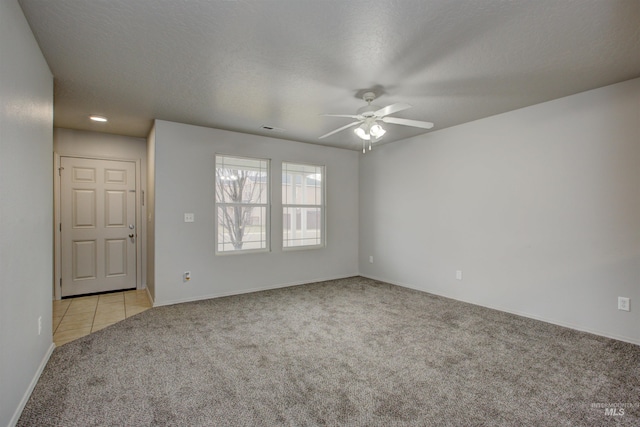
x=352, y=352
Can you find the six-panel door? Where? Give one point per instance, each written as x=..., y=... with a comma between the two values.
x=99, y=230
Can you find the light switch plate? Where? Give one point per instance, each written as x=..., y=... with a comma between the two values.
x=623, y=304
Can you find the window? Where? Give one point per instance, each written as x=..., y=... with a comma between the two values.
x=302, y=205
x=242, y=204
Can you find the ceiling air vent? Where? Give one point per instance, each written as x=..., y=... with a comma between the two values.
x=271, y=128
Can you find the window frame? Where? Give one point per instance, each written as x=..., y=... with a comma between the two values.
x=322, y=206
x=266, y=206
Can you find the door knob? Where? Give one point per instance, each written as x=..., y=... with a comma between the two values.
x=131, y=235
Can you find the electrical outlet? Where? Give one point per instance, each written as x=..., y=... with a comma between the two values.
x=371, y=259
x=459, y=274
x=186, y=276
x=189, y=217
x=39, y=325
x=623, y=304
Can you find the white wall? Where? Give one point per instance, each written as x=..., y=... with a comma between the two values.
x=539, y=207
x=184, y=182
x=69, y=142
x=26, y=218
x=151, y=208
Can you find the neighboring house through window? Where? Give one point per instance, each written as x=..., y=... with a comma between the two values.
x=303, y=206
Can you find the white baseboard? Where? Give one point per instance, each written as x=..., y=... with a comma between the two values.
x=248, y=291
x=516, y=312
x=149, y=296
x=32, y=385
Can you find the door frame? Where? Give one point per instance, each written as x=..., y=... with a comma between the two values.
x=57, y=219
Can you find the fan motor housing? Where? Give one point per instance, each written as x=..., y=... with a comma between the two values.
x=368, y=110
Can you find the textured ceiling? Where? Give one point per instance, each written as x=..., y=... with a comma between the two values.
x=238, y=65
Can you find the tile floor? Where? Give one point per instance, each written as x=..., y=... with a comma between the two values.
x=76, y=317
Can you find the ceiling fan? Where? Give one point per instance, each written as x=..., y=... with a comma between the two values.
x=368, y=116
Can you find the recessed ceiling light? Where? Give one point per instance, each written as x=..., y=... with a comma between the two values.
x=98, y=118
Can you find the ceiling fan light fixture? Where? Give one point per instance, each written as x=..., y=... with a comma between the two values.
x=362, y=134
x=368, y=118
x=377, y=131
x=368, y=132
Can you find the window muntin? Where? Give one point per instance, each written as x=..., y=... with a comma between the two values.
x=242, y=204
x=302, y=206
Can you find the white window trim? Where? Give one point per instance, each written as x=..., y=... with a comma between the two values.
x=266, y=205
x=323, y=209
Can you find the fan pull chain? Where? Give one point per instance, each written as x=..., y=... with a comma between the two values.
x=369, y=145
x=363, y=150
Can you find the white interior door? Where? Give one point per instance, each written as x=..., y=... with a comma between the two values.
x=98, y=225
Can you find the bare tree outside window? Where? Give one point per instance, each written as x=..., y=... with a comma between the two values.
x=241, y=198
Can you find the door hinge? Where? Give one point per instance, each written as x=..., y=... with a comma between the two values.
x=60, y=226
x=61, y=282
x=60, y=169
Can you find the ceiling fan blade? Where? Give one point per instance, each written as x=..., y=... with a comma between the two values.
x=341, y=129
x=390, y=109
x=407, y=122
x=342, y=115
